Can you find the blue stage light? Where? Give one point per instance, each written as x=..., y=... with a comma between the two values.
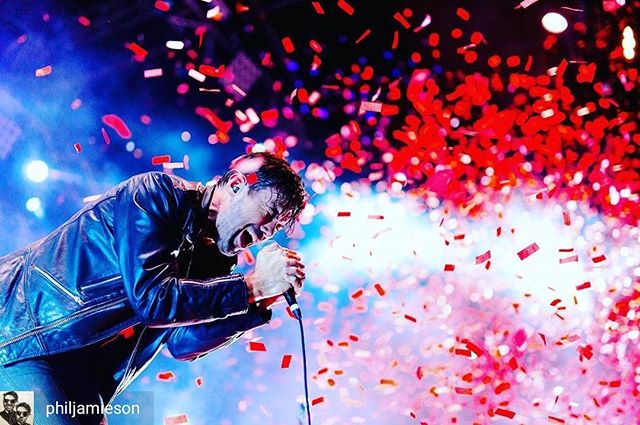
x=33, y=204
x=37, y=171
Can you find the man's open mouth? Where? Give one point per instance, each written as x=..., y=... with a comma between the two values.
x=245, y=238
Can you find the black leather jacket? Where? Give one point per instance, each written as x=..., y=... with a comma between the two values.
x=135, y=256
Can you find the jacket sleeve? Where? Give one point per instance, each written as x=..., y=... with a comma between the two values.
x=188, y=343
x=148, y=223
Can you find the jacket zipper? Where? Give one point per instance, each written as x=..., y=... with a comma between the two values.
x=63, y=320
x=57, y=284
x=124, y=382
x=100, y=282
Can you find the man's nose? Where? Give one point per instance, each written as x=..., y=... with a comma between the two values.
x=267, y=230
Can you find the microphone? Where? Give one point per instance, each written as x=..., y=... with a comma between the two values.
x=290, y=296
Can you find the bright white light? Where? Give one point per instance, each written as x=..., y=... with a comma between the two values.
x=175, y=44
x=33, y=204
x=37, y=171
x=628, y=43
x=554, y=22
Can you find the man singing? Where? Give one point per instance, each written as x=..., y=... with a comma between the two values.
x=144, y=266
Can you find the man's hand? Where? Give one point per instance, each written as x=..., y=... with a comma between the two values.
x=277, y=269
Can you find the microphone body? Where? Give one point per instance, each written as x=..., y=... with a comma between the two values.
x=290, y=296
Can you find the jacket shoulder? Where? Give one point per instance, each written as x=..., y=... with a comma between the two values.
x=158, y=194
x=160, y=181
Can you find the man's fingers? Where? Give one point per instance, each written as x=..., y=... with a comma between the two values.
x=295, y=271
x=295, y=263
x=292, y=254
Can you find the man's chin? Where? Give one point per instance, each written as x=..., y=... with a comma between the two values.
x=229, y=250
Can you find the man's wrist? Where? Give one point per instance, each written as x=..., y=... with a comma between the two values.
x=248, y=280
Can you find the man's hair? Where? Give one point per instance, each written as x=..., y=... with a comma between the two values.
x=13, y=393
x=25, y=405
x=275, y=173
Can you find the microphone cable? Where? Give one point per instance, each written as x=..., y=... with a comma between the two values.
x=304, y=368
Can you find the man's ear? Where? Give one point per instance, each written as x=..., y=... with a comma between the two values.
x=236, y=180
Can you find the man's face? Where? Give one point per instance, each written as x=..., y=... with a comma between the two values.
x=22, y=415
x=246, y=218
x=9, y=402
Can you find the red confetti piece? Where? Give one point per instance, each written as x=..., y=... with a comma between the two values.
x=199, y=381
x=357, y=294
x=566, y=218
x=84, y=21
x=165, y=376
x=526, y=252
x=162, y=6
x=318, y=7
x=389, y=110
x=128, y=332
x=586, y=73
x=555, y=302
x=364, y=35
x=559, y=420
x=257, y=346
x=449, y=267
x=317, y=400
x=498, y=231
x=137, y=50
x=316, y=62
x=212, y=71
x=380, y=289
x=41, y=72
x=462, y=352
x=513, y=61
x=286, y=361
x=527, y=66
x=599, y=259
x=483, y=257
x=118, y=125
x=105, y=136
x=410, y=318
x=209, y=115
x=315, y=46
x=572, y=259
x=398, y=17
x=252, y=178
x=160, y=159
x=342, y=4
x=344, y=214
x=464, y=390
x=288, y=45
x=520, y=337
x=544, y=338
x=502, y=387
x=513, y=363
x=375, y=217
x=506, y=413
x=586, y=352
x=394, y=43
x=585, y=285
x=175, y=420
x=462, y=14
x=77, y=147
x=471, y=346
